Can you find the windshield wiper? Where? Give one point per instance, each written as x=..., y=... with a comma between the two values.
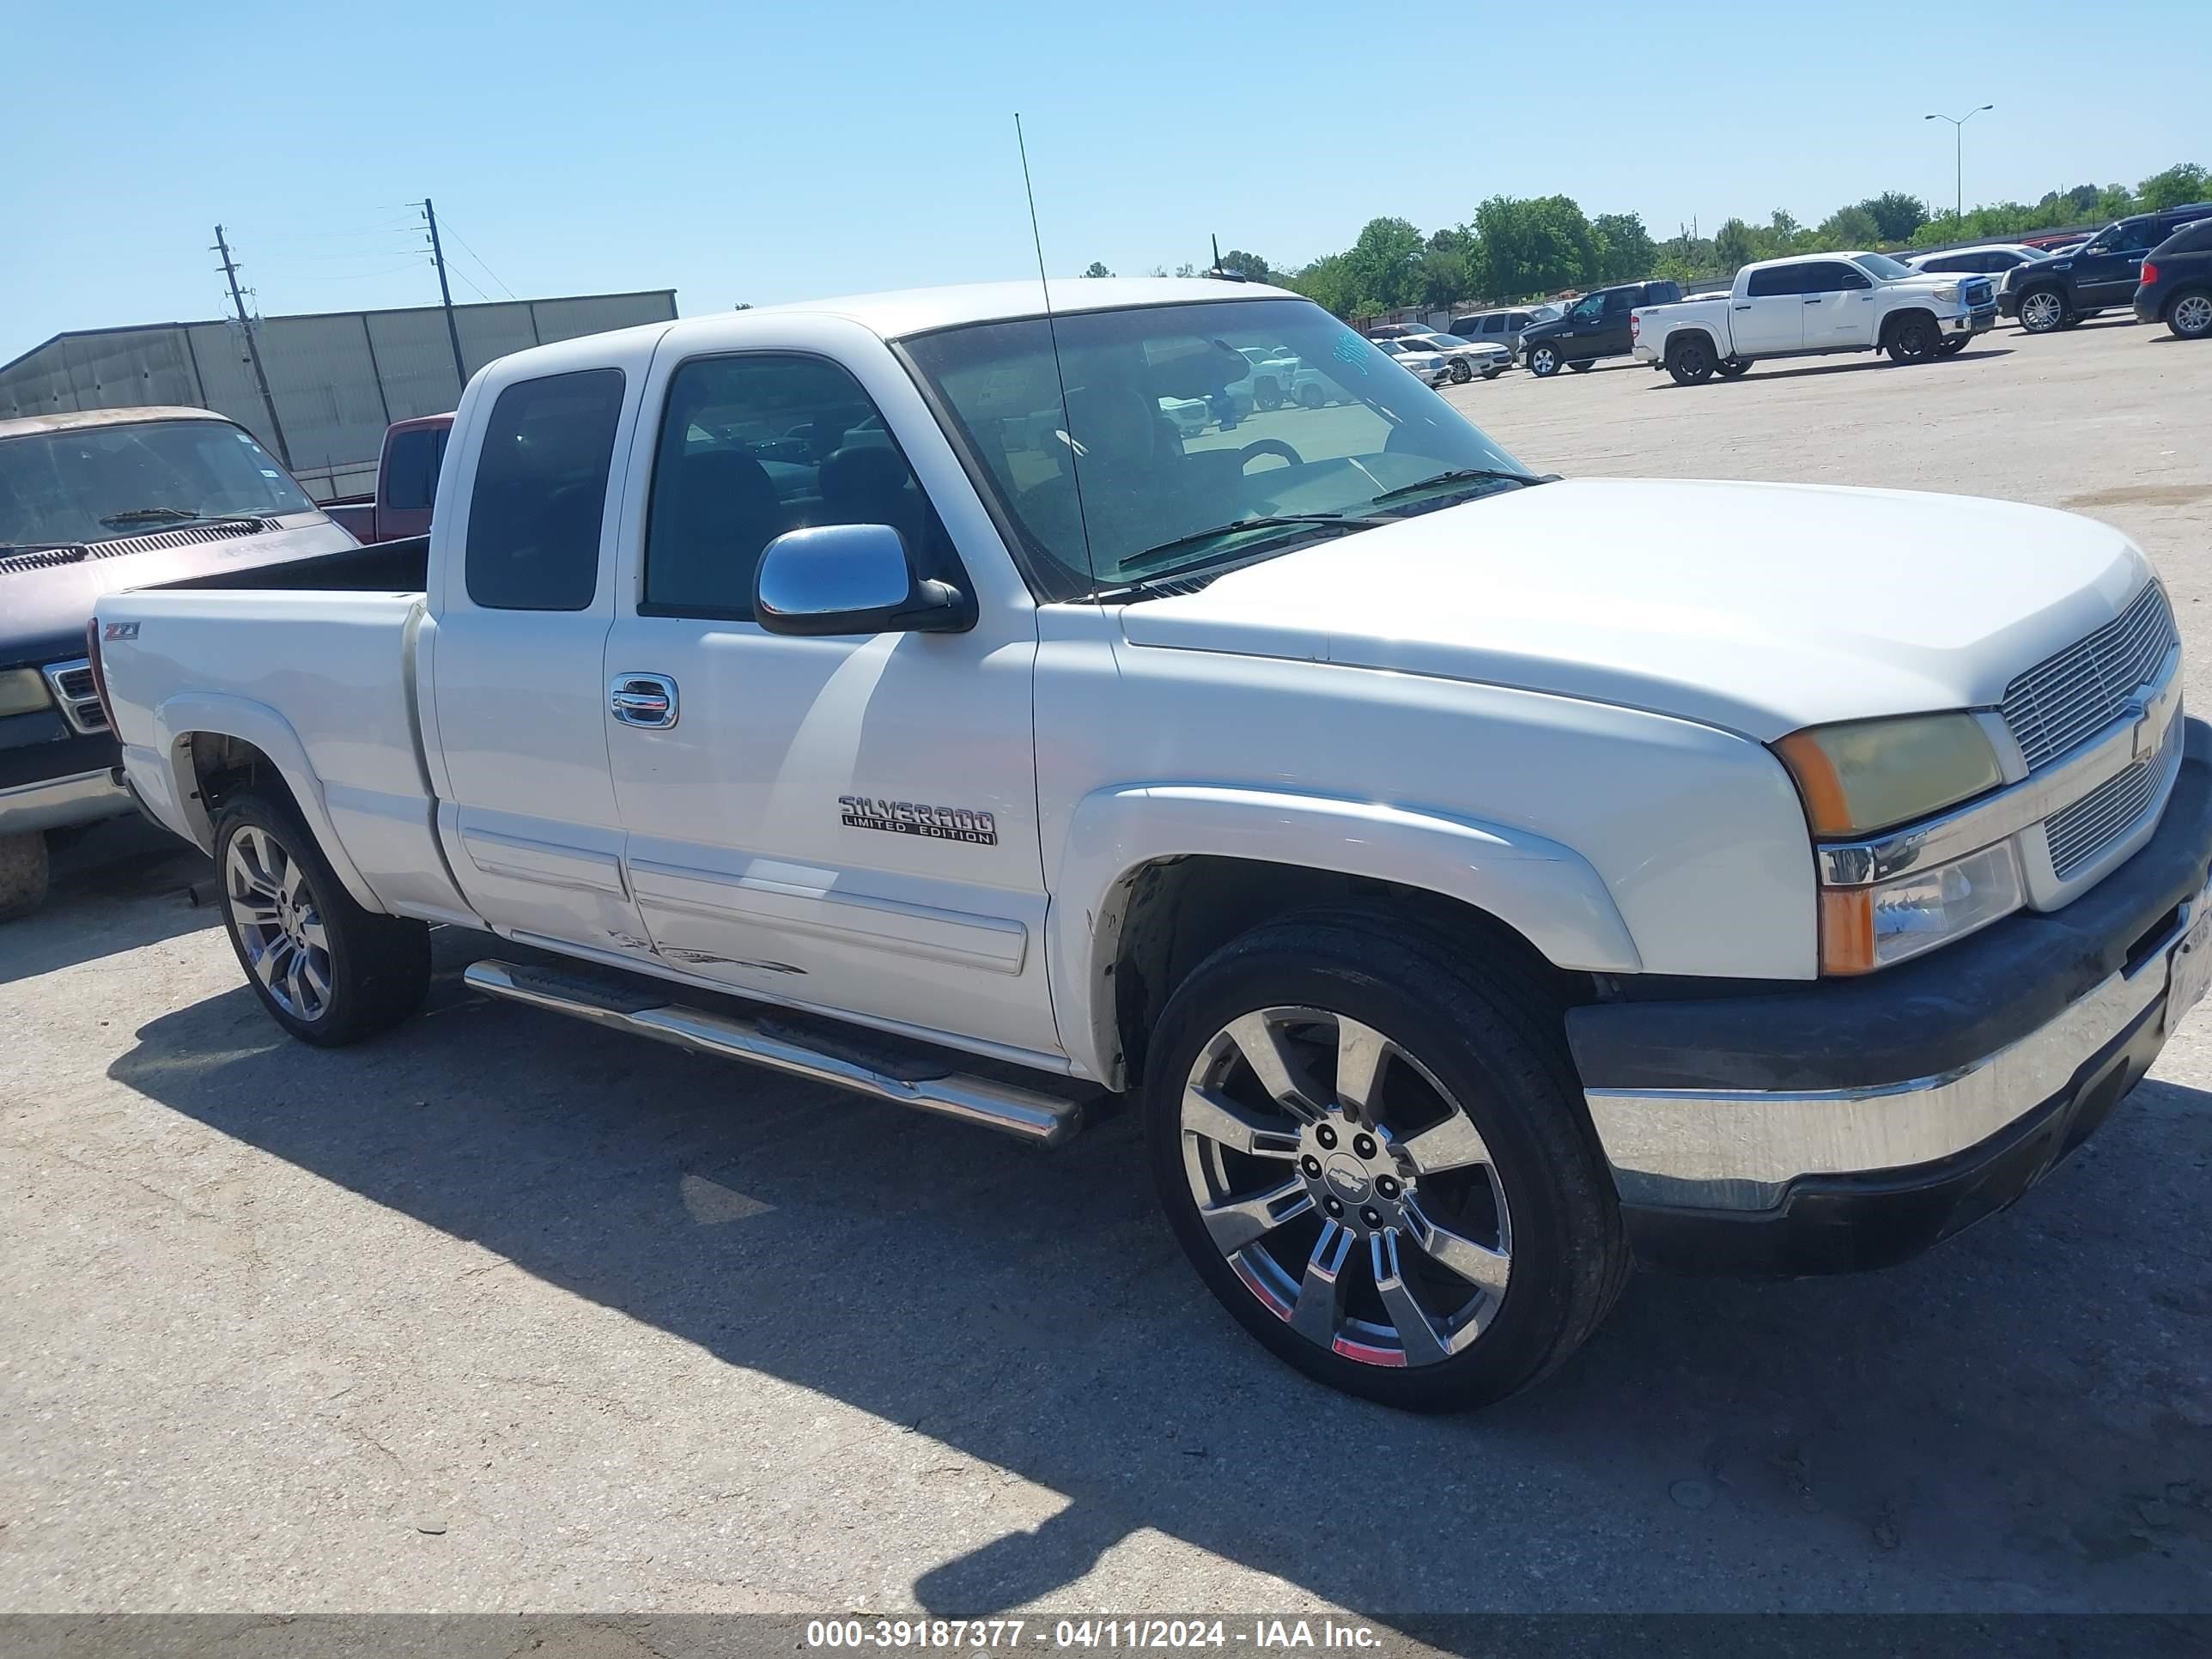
x=150, y=514
x=1463, y=475
x=1267, y=521
x=9, y=549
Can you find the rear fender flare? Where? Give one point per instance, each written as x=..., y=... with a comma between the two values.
x=182, y=717
x=1546, y=891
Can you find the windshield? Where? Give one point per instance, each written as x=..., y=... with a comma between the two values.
x=1169, y=432
x=96, y=484
x=1881, y=266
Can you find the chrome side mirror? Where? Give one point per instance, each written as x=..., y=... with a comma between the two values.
x=851, y=578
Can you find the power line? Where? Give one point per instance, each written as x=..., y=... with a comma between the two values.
x=478, y=258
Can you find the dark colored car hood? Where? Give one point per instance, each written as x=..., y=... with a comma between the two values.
x=43, y=608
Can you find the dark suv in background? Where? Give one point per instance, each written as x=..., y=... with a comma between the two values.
x=2056, y=294
x=2177, y=282
x=1596, y=325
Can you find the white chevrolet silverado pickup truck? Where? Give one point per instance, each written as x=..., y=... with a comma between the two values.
x=1481, y=881
x=1807, y=307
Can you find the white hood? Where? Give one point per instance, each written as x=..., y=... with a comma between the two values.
x=1758, y=608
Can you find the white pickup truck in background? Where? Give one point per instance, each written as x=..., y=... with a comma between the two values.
x=1481, y=882
x=1809, y=306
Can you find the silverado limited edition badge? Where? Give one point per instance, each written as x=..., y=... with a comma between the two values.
x=909, y=817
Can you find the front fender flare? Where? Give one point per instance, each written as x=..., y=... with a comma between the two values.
x=188, y=714
x=1546, y=891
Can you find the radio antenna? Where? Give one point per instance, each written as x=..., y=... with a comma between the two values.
x=1051, y=333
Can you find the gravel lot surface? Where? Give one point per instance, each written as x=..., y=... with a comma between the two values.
x=501, y=1312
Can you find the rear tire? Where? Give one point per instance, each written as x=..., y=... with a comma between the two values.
x=327, y=971
x=1470, y=1117
x=1913, y=338
x=1582, y=368
x=2190, y=316
x=23, y=873
x=1267, y=394
x=1690, y=360
x=1311, y=396
x=2042, y=310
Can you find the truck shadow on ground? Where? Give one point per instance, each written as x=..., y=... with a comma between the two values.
x=1846, y=363
x=2019, y=1421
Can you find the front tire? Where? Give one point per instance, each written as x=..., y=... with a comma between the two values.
x=327, y=971
x=1581, y=367
x=1311, y=396
x=2190, y=316
x=1492, y=373
x=1732, y=368
x=1372, y=1148
x=1543, y=362
x=1460, y=372
x=23, y=873
x=1953, y=344
x=2042, y=310
x=1914, y=338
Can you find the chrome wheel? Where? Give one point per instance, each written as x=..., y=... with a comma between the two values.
x=1542, y=361
x=280, y=925
x=2041, y=312
x=1347, y=1189
x=2192, y=315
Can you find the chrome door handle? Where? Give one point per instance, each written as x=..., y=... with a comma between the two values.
x=643, y=700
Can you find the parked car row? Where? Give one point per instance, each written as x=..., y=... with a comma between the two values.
x=2107, y=272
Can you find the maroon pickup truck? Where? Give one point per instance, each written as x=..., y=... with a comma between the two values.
x=406, y=483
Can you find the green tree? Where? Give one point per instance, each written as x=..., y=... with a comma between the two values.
x=1384, y=263
x=1895, y=214
x=1535, y=245
x=1626, y=251
x=1096, y=269
x=2178, y=187
x=1328, y=282
x=1250, y=264
x=1852, y=226
x=1733, y=247
x=1443, y=276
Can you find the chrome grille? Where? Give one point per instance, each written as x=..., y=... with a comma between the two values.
x=1979, y=293
x=2080, y=832
x=2065, y=698
x=78, y=697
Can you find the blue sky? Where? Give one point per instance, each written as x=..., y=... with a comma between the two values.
x=749, y=152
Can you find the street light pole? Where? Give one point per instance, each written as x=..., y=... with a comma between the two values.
x=1958, y=158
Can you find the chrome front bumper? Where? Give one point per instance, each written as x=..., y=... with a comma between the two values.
x=1742, y=1150
x=57, y=803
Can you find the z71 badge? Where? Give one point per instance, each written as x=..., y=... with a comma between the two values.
x=912, y=818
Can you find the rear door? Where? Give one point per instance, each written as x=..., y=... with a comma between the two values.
x=842, y=822
x=1769, y=316
x=1836, y=301
x=526, y=810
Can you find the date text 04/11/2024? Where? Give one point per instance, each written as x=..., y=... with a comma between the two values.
x=1263, y=1635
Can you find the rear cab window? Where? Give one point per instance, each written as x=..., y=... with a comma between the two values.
x=410, y=471
x=540, y=492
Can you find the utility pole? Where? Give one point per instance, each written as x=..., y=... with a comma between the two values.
x=445, y=292
x=1958, y=158
x=252, y=347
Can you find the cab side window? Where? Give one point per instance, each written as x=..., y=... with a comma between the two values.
x=753, y=445
x=540, y=490
x=1775, y=280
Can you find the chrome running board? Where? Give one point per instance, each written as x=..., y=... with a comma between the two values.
x=1041, y=1119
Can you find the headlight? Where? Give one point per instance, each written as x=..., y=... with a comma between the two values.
x=23, y=691
x=1949, y=291
x=1863, y=775
x=1863, y=928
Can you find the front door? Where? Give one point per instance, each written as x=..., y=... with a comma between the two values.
x=847, y=822
x=1837, y=305
x=2106, y=272
x=526, y=810
x=1769, y=316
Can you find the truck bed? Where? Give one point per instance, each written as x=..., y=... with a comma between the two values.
x=396, y=567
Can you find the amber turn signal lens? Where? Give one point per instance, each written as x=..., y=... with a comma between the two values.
x=1827, y=809
x=1847, y=931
